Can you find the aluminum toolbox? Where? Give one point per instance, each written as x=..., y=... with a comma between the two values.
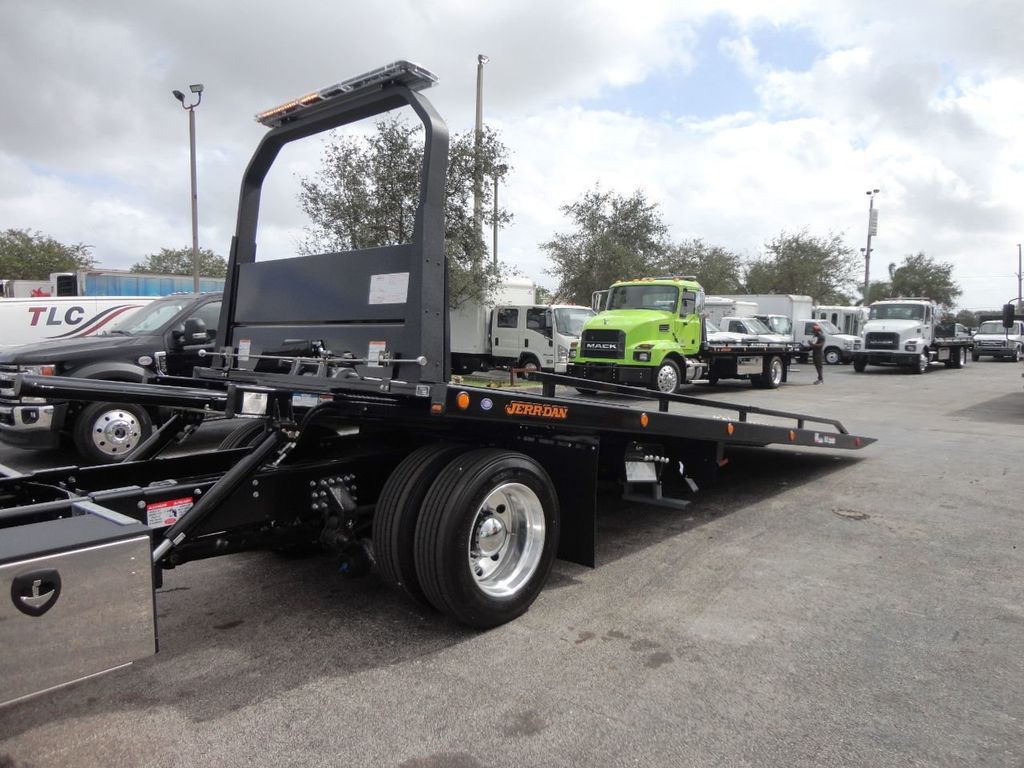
x=76, y=596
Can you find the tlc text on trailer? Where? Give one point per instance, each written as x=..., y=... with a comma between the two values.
x=460, y=496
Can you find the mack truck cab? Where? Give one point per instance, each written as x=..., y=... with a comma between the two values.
x=649, y=335
x=907, y=332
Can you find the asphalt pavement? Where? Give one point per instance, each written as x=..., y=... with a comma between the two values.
x=815, y=608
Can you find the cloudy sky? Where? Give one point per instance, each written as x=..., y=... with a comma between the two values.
x=739, y=121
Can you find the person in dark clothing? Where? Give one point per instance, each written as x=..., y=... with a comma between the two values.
x=818, y=350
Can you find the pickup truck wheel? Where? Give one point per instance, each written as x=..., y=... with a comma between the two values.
x=833, y=356
x=108, y=432
x=860, y=364
x=398, y=509
x=1015, y=357
x=487, y=536
x=668, y=378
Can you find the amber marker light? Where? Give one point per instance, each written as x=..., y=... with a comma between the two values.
x=730, y=428
x=436, y=408
x=792, y=434
x=462, y=400
x=644, y=420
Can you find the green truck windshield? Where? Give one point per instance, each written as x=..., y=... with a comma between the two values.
x=663, y=297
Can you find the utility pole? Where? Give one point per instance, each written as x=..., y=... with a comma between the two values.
x=872, y=230
x=478, y=180
x=499, y=172
x=1020, y=304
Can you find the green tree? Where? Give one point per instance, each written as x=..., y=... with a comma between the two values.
x=880, y=289
x=26, y=255
x=366, y=193
x=178, y=261
x=716, y=269
x=966, y=317
x=613, y=238
x=821, y=267
x=921, y=275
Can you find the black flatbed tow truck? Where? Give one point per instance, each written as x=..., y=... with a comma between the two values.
x=353, y=441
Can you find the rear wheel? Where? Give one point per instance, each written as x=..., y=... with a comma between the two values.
x=107, y=432
x=959, y=358
x=772, y=376
x=833, y=356
x=398, y=509
x=668, y=378
x=486, y=537
x=975, y=357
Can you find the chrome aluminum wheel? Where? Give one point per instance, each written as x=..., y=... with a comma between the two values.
x=116, y=432
x=668, y=379
x=506, y=540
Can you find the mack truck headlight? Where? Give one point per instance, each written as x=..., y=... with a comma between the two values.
x=643, y=353
x=910, y=346
x=562, y=354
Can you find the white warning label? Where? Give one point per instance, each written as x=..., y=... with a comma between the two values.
x=161, y=514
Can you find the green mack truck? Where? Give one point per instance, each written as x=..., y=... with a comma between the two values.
x=652, y=334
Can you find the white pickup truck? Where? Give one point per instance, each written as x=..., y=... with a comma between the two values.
x=839, y=347
x=1001, y=343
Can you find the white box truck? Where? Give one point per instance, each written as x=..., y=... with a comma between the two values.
x=779, y=311
x=717, y=308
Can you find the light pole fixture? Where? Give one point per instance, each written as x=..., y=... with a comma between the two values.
x=872, y=230
x=499, y=173
x=197, y=89
x=478, y=180
x=1020, y=303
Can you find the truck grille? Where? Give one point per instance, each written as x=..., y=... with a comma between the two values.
x=7, y=373
x=603, y=343
x=991, y=343
x=882, y=341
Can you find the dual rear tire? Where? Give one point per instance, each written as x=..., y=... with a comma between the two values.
x=471, y=532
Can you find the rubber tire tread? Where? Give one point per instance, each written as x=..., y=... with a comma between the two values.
x=441, y=510
x=243, y=436
x=83, y=440
x=397, y=513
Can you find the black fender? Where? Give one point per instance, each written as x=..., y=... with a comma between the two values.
x=112, y=371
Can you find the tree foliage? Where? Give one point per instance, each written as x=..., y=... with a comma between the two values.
x=613, y=238
x=178, y=261
x=966, y=317
x=716, y=269
x=921, y=275
x=821, y=267
x=366, y=193
x=26, y=255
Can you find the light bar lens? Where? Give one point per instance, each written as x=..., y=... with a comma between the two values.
x=412, y=76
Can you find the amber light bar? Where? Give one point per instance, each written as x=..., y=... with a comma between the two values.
x=412, y=76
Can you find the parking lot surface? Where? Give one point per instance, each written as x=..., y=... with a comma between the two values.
x=815, y=608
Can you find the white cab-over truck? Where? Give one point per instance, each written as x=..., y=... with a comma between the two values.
x=999, y=342
x=717, y=308
x=848, y=320
x=907, y=332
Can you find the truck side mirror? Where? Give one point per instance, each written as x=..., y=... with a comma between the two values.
x=195, y=332
x=1008, y=310
x=688, y=305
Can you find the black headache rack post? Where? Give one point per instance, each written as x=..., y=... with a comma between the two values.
x=352, y=436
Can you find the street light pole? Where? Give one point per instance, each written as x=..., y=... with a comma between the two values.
x=872, y=230
x=478, y=179
x=196, y=88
